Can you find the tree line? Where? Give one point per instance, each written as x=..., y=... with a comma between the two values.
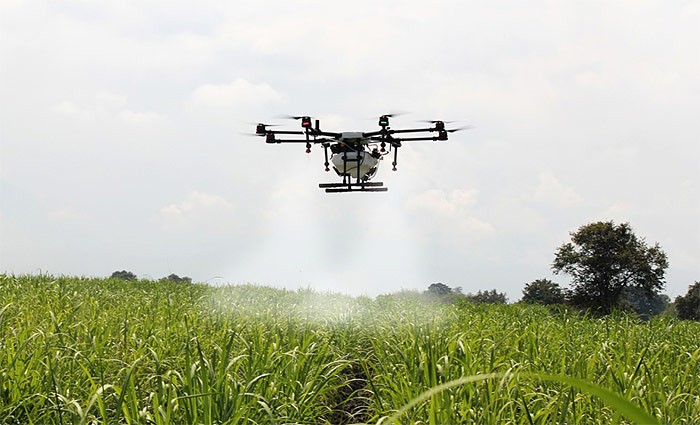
x=610, y=267
x=127, y=275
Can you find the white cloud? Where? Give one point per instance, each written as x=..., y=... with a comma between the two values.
x=67, y=214
x=200, y=212
x=551, y=191
x=618, y=212
x=436, y=201
x=239, y=94
x=106, y=106
x=70, y=109
x=140, y=117
x=448, y=215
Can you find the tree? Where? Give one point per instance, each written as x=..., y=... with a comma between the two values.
x=543, y=291
x=439, y=289
x=603, y=259
x=175, y=278
x=488, y=297
x=644, y=305
x=688, y=306
x=124, y=275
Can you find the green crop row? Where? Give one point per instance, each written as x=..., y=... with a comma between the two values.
x=84, y=351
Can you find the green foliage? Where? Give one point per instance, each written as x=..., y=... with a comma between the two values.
x=123, y=275
x=487, y=297
x=688, y=306
x=645, y=305
x=175, y=278
x=603, y=259
x=438, y=289
x=82, y=351
x=544, y=292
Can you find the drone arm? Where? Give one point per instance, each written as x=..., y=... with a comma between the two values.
x=325, y=134
x=372, y=134
x=393, y=140
x=387, y=131
x=313, y=141
x=413, y=130
x=419, y=139
x=284, y=132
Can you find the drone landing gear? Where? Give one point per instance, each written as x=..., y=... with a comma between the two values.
x=353, y=187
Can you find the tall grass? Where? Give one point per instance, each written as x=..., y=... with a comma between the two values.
x=83, y=351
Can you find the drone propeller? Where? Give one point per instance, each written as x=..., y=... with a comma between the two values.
x=292, y=117
x=261, y=128
x=305, y=119
x=436, y=121
x=390, y=115
x=466, y=127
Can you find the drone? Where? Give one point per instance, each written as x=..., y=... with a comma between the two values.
x=355, y=156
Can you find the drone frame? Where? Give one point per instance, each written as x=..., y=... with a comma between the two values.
x=384, y=137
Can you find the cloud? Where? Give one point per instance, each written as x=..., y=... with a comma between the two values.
x=199, y=212
x=67, y=214
x=619, y=212
x=436, y=201
x=140, y=117
x=447, y=214
x=106, y=106
x=551, y=191
x=240, y=94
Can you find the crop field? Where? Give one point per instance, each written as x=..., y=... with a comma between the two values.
x=86, y=351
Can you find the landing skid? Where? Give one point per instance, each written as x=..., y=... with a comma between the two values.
x=353, y=187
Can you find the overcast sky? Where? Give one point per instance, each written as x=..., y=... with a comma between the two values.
x=121, y=144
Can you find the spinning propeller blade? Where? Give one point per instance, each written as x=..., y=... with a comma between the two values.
x=466, y=127
x=436, y=121
x=292, y=117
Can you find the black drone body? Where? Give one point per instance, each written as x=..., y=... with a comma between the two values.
x=355, y=156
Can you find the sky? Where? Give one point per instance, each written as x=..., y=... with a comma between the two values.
x=123, y=146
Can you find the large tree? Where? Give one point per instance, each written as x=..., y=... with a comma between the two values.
x=603, y=259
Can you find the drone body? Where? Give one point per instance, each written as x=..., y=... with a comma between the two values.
x=355, y=156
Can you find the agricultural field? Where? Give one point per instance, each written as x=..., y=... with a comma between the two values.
x=86, y=351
